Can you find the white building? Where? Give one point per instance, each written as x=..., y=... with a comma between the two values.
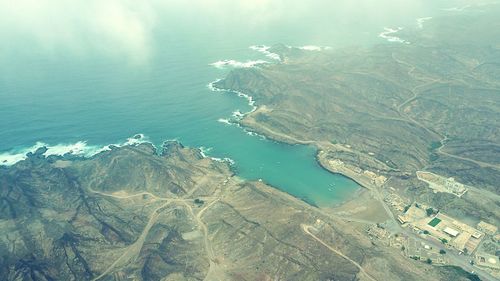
x=450, y=231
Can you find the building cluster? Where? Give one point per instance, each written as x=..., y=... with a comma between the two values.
x=487, y=228
x=454, y=234
x=487, y=260
x=422, y=251
x=374, y=178
x=454, y=187
x=479, y=244
x=443, y=228
x=397, y=202
x=487, y=254
x=441, y=184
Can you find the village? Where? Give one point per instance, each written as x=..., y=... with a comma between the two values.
x=431, y=235
x=425, y=233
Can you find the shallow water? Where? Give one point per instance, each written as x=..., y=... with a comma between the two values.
x=62, y=95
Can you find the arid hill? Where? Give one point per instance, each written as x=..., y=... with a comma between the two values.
x=131, y=214
x=394, y=109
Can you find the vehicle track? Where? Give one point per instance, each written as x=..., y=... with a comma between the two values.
x=442, y=137
x=306, y=228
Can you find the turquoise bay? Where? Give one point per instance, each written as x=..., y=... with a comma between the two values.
x=58, y=95
x=106, y=103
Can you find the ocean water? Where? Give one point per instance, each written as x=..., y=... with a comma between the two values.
x=86, y=97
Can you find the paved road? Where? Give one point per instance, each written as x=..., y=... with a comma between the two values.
x=453, y=256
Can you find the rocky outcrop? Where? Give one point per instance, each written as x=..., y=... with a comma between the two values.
x=133, y=214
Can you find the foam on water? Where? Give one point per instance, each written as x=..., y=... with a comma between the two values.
x=135, y=140
x=420, y=21
x=251, y=101
x=212, y=88
x=457, y=9
x=236, y=64
x=224, y=121
x=224, y=160
x=204, y=151
x=388, y=35
x=80, y=148
x=314, y=48
x=262, y=49
x=11, y=158
x=254, y=134
x=237, y=114
x=265, y=50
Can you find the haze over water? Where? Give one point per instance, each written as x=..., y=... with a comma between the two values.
x=103, y=71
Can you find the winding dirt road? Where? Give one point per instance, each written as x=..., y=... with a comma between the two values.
x=440, y=135
x=132, y=251
x=306, y=228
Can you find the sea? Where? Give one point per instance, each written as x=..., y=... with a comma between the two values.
x=76, y=79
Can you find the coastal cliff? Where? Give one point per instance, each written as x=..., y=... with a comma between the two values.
x=133, y=214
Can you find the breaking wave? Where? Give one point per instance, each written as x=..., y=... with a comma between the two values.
x=421, y=21
x=314, y=48
x=251, y=101
x=457, y=9
x=212, y=88
x=238, y=114
x=265, y=50
x=388, y=35
x=236, y=64
x=224, y=121
x=80, y=148
x=204, y=153
x=11, y=158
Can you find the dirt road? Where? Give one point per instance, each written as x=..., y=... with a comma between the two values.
x=306, y=228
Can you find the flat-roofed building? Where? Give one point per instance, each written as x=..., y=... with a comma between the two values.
x=450, y=231
x=472, y=244
x=477, y=234
x=402, y=219
x=461, y=240
x=487, y=228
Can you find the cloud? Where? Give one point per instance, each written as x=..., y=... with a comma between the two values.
x=119, y=28
x=125, y=28
x=112, y=27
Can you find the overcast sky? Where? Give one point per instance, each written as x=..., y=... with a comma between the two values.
x=125, y=27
